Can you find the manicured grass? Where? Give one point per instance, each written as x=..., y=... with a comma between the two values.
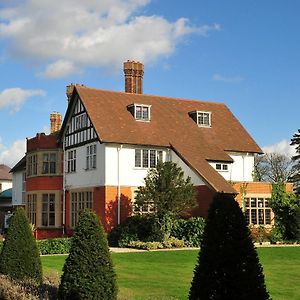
x=167, y=274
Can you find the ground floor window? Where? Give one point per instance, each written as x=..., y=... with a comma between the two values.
x=48, y=210
x=258, y=211
x=79, y=202
x=31, y=208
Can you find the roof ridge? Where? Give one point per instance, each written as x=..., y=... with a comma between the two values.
x=150, y=95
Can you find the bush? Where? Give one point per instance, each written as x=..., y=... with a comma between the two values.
x=23, y=290
x=190, y=230
x=20, y=257
x=135, y=228
x=260, y=234
x=228, y=266
x=145, y=245
x=54, y=246
x=88, y=272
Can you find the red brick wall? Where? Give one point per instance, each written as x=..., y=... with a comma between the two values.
x=42, y=141
x=44, y=183
x=204, y=197
x=48, y=233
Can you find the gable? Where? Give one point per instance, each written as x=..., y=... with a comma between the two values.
x=78, y=129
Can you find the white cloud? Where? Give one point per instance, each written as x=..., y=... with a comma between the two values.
x=282, y=147
x=11, y=155
x=14, y=98
x=74, y=35
x=234, y=79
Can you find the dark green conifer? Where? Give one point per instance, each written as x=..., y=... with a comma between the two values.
x=20, y=258
x=228, y=266
x=88, y=271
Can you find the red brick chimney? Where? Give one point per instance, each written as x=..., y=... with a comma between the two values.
x=134, y=72
x=55, y=120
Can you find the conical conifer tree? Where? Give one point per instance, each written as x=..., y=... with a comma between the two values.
x=88, y=271
x=20, y=258
x=228, y=266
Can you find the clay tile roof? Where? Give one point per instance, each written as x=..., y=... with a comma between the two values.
x=170, y=125
x=4, y=173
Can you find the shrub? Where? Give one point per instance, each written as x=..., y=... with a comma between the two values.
x=142, y=228
x=20, y=257
x=23, y=290
x=54, y=246
x=145, y=245
x=88, y=272
x=190, y=230
x=260, y=234
x=228, y=266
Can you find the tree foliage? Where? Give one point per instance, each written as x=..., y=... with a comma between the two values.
x=228, y=266
x=286, y=207
x=295, y=177
x=20, y=257
x=167, y=190
x=272, y=167
x=88, y=271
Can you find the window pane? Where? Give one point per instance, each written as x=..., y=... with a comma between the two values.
x=145, y=113
x=247, y=216
x=253, y=202
x=138, y=158
x=268, y=216
x=145, y=158
x=159, y=156
x=260, y=216
x=152, y=158
x=253, y=216
x=218, y=166
x=260, y=202
x=138, y=112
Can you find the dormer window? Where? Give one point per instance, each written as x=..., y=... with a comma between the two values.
x=141, y=112
x=202, y=118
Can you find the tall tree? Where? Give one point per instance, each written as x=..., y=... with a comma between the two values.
x=167, y=189
x=20, y=258
x=272, y=167
x=295, y=177
x=88, y=271
x=228, y=266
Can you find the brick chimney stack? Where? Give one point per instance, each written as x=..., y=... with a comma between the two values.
x=55, y=120
x=70, y=89
x=134, y=72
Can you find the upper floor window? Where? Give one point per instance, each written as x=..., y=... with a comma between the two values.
x=221, y=167
x=140, y=112
x=32, y=165
x=147, y=158
x=91, y=154
x=71, y=161
x=49, y=163
x=202, y=118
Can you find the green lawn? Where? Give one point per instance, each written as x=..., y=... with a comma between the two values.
x=167, y=274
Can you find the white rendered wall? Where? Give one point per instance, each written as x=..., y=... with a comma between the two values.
x=240, y=170
x=82, y=177
x=195, y=178
x=129, y=175
x=17, y=186
x=243, y=167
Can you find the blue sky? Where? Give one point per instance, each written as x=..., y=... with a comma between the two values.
x=242, y=53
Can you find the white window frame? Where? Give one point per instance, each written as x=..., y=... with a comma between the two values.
x=221, y=167
x=145, y=158
x=142, y=107
x=205, y=114
x=79, y=201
